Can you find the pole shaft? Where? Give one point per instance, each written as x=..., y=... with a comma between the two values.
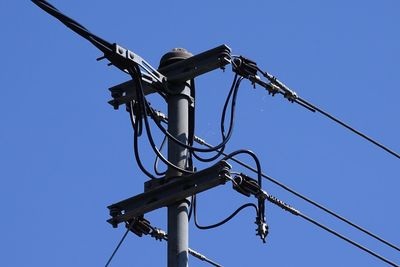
x=178, y=125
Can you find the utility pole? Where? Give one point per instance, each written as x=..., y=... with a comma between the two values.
x=178, y=125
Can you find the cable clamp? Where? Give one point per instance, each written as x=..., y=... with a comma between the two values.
x=290, y=95
x=199, y=140
x=159, y=234
x=160, y=116
x=273, y=89
x=245, y=185
x=139, y=226
x=262, y=229
x=282, y=205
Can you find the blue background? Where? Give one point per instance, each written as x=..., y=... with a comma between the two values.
x=66, y=154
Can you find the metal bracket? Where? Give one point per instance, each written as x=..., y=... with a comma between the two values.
x=189, y=68
x=126, y=92
x=181, y=71
x=163, y=192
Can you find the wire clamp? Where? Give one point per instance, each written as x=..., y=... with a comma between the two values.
x=262, y=229
x=290, y=95
x=273, y=89
x=159, y=234
x=139, y=226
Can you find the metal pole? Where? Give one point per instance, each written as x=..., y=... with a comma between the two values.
x=178, y=125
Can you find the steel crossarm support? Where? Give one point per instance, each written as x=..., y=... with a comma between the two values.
x=183, y=70
x=126, y=92
x=162, y=193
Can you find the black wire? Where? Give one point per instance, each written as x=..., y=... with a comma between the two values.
x=171, y=137
x=192, y=123
x=348, y=240
x=100, y=43
x=312, y=202
x=138, y=124
x=223, y=221
x=257, y=161
x=350, y=128
x=314, y=108
x=191, y=207
x=233, y=91
x=156, y=161
x=135, y=73
x=116, y=249
x=234, y=87
x=136, y=149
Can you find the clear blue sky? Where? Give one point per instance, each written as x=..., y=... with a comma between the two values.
x=66, y=154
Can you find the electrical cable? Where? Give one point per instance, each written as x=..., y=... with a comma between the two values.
x=203, y=258
x=348, y=240
x=258, y=170
x=131, y=111
x=136, y=148
x=232, y=92
x=350, y=128
x=156, y=160
x=310, y=201
x=295, y=98
x=191, y=208
x=162, y=237
x=135, y=73
x=100, y=43
x=171, y=137
x=223, y=221
x=117, y=248
x=233, y=89
x=296, y=212
x=159, y=234
x=301, y=196
x=192, y=122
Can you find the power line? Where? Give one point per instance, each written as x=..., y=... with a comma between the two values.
x=296, y=212
x=100, y=43
x=159, y=234
x=118, y=246
x=348, y=240
x=326, y=114
x=201, y=257
x=293, y=97
x=310, y=201
x=129, y=62
x=287, y=188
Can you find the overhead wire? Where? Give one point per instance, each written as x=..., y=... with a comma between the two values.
x=159, y=234
x=117, y=247
x=352, y=129
x=232, y=94
x=100, y=43
x=310, y=201
x=155, y=167
x=303, y=197
x=192, y=252
x=136, y=147
x=107, y=48
x=135, y=73
x=348, y=240
x=296, y=212
x=295, y=98
x=175, y=140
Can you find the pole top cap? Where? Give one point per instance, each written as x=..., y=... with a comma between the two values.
x=175, y=55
